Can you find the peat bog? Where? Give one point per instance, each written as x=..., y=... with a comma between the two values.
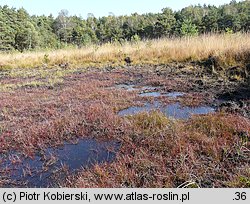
x=125, y=127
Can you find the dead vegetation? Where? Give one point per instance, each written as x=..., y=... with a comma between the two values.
x=221, y=51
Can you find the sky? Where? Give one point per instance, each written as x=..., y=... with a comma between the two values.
x=102, y=7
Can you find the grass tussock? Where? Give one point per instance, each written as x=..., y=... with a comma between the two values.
x=227, y=49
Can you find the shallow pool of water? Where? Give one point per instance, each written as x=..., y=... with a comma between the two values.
x=157, y=94
x=174, y=110
x=174, y=94
x=150, y=94
x=38, y=172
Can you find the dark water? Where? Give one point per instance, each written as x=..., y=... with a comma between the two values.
x=174, y=110
x=40, y=171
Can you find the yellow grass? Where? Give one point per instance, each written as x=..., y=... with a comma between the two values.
x=229, y=49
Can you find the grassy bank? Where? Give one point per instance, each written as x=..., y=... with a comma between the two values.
x=228, y=50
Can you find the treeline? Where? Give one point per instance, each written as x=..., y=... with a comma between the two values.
x=20, y=31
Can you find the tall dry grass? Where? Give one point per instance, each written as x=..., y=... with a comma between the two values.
x=229, y=49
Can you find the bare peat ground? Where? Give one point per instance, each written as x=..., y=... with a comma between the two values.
x=42, y=120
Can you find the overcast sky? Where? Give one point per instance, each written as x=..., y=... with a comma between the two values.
x=103, y=7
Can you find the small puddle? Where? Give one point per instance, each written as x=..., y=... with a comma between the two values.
x=157, y=94
x=147, y=107
x=38, y=172
x=183, y=112
x=150, y=94
x=174, y=94
x=143, y=88
x=174, y=110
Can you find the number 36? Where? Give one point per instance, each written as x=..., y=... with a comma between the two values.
x=241, y=196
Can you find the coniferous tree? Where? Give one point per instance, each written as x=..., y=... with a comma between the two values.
x=20, y=31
